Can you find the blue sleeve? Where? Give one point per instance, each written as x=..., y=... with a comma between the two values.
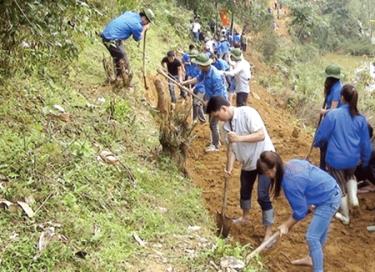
x=218, y=86
x=137, y=33
x=365, y=145
x=325, y=130
x=199, y=88
x=297, y=201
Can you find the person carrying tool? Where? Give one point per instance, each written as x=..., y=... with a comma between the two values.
x=120, y=29
x=242, y=75
x=192, y=71
x=248, y=138
x=213, y=86
x=332, y=94
x=307, y=189
x=345, y=132
x=174, y=68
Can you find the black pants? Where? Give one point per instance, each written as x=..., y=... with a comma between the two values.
x=241, y=99
x=248, y=179
x=118, y=54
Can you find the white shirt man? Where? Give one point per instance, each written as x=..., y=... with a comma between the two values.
x=242, y=75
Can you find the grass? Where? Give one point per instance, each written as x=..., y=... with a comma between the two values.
x=99, y=209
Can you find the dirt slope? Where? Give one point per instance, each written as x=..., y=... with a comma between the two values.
x=349, y=248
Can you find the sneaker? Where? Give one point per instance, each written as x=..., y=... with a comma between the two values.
x=212, y=148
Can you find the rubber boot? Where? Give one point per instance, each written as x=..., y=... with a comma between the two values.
x=343, y=215
x=352, y=188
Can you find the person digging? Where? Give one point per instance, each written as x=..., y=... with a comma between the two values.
x=213, y=86
x=248, y=138
x=120, y=29
x=174, y=68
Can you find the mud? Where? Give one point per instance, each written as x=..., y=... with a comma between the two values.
x=349, y=248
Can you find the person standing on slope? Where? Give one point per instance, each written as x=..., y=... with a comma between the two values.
x=213, y=83
x=332, y=94
x=248, y=138
x=120, y=29
x=345, y=132
x=242, y=75
x=307, y=189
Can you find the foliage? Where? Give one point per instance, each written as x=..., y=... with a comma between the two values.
x=42, y=32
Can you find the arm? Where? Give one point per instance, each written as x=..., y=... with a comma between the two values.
x=287, y=225
x=233, y=72
x=324, y=131
x=190, y=81
x=258, y=136
x=230, y=160
x=333, y=106
x=139, y=33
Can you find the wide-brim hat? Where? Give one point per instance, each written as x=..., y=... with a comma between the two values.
x=202, y=60
x=193, y=53
x=149, y=15
x=236, y=54
x=333, y=70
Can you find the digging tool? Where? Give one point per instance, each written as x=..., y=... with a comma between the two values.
x=223, y=222
x=263, y=246
x=317, y=126
x=163, y=73
x=144, y=61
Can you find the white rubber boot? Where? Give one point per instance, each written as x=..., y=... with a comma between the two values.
x=343, y=215
x=352, y=188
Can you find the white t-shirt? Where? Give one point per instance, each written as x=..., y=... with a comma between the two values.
x=196, y=27
x=245, y=121
x=242, y=75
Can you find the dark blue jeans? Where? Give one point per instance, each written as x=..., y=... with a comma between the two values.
x=248, y=179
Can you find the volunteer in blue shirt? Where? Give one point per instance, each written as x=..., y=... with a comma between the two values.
x=332, y=94
x=307, y=189
x=213, y=83
x=345, y=132
x=223, y=48
x=121, y=28
x=192, y=71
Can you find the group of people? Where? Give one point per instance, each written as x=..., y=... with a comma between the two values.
x=344, y=137
x=220, y=71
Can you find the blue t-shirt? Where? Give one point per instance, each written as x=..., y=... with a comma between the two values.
x=122, y=27
x=213, y=83
x=305, y=184
x=223, y=47
x=192, y=70
x=334, y=95
x=237, y=38
x=221, y=65
x=347, y=138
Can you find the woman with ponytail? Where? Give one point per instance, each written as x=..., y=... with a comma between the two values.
x=345, y=132
x=307, y=188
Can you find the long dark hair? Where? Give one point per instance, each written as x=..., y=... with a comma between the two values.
x=350, y=95
x=269, y=160
x=328, y=84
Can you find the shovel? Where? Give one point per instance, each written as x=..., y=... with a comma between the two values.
x=223, y=222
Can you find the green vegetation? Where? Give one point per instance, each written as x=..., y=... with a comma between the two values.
x=94, y=209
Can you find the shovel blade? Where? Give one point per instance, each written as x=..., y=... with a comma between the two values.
x=223, y=225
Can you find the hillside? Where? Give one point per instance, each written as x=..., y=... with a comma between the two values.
x=84, y=182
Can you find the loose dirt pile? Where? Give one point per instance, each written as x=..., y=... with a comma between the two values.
x=349, y=248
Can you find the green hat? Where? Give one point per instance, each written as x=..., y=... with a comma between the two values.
x=236, y=54
x=333, y=70
x=193, y=53
x=202, y=60
x=149, y=15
